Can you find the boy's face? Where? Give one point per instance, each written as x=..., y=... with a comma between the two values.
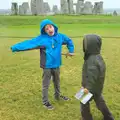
x=49, y=29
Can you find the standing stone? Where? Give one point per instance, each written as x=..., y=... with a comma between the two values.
x=21, y=11
x=33, y=7
x=64, y=7
x=70, y=6
x=95, y=8
x=98, y=8
x=25, y=7
x=46, y=8
x=79, y=7
x=88, y=8
x=101, y=7
x=40, y=7
x=37, y=7
x=55, y=9
x=14, y=8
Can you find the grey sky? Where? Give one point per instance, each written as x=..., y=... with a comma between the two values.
x=5, y=4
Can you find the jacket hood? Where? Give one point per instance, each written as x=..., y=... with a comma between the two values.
x=46, y=22
x=91, y=45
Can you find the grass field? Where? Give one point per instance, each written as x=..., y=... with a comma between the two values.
x=20, y=74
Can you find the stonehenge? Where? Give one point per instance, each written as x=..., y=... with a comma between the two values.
x=39, y=7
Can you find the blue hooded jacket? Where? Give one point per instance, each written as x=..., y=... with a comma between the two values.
x=50, y=57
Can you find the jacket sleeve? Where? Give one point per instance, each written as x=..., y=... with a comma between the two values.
x=92, y=74
x=67, y=41
x=27, y=45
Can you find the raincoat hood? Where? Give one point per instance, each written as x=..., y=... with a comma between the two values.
x=91, y=45
x=46, y=22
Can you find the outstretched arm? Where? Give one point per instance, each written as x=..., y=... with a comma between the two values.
x=34, y=43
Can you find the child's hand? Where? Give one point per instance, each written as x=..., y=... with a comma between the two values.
x=12, y=49
x=69, y=54
x=86, y=90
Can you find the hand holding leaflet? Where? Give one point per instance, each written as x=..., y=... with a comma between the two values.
x=83, y=96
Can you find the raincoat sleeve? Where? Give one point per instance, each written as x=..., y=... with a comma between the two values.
x=67, y=41
x=27, y=45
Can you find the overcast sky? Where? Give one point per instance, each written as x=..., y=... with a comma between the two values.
x=6, y=4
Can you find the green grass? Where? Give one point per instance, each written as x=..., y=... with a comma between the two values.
x=20, y=75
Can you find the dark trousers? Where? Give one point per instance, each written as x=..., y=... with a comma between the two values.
x=101, y=105
x=47, y=74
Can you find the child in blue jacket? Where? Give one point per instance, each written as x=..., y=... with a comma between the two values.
x=50, y=44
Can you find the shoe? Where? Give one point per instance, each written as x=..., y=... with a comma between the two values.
x=64, y=98
x=48, y=106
